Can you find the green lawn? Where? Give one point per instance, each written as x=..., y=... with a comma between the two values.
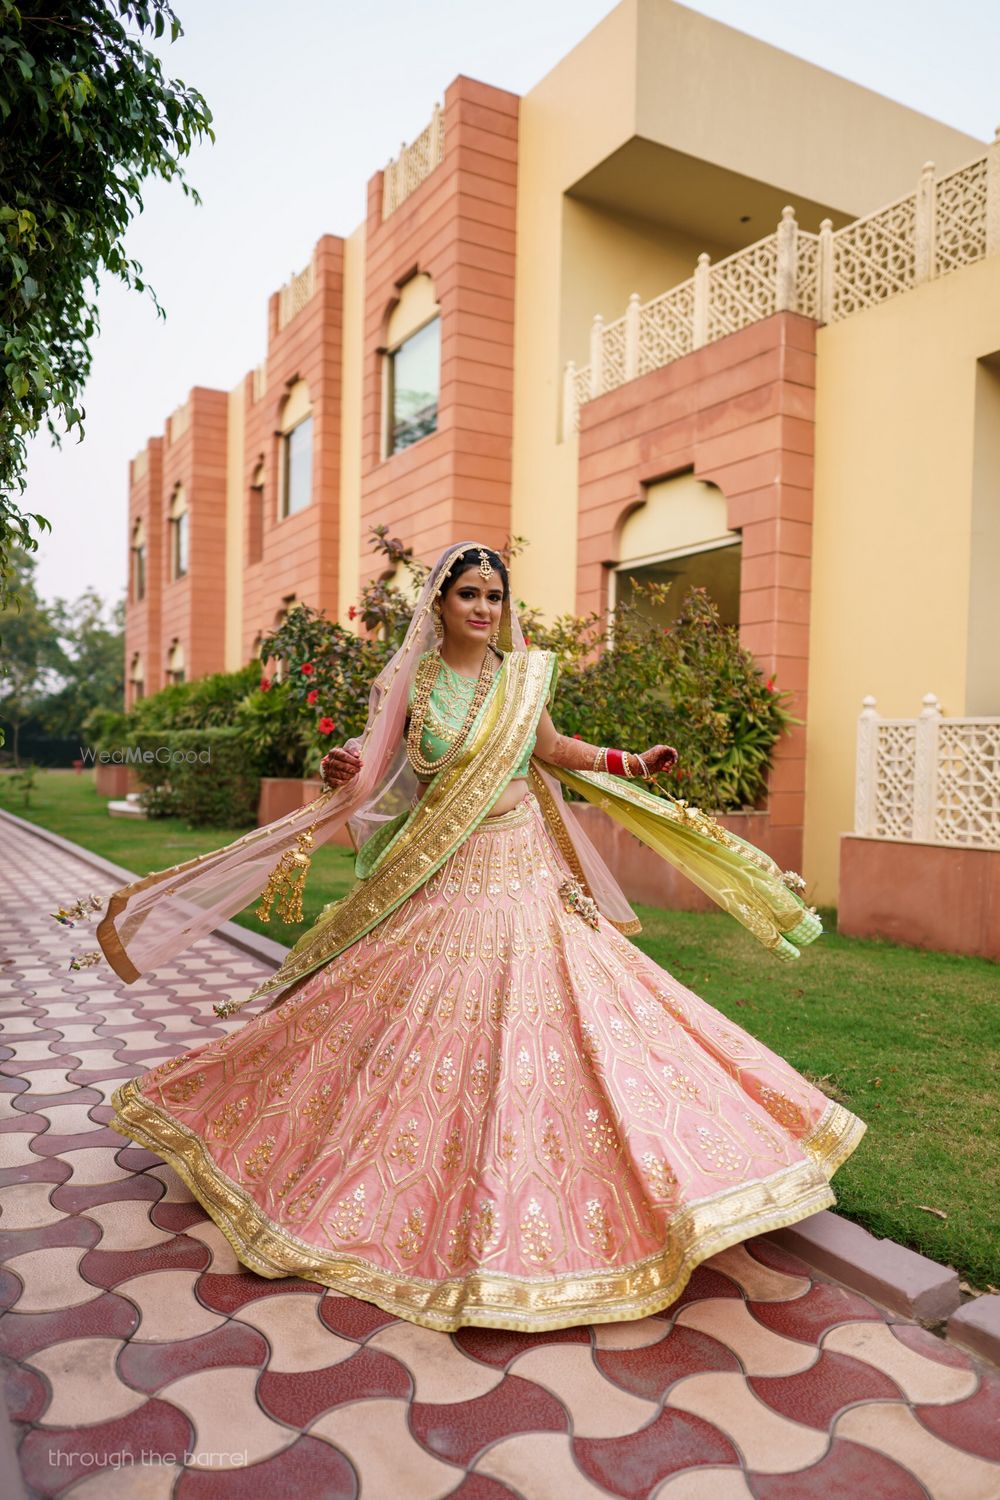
x=908, y=1040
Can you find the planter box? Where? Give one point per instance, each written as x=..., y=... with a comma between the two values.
x=935, y=896
x=111, y=780
x=280, y=795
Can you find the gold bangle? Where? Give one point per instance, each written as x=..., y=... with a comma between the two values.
x=625, y=769
x=598, y=758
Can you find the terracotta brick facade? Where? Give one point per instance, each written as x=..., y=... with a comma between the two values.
x=458, y=226
x=739, y=413
x=192, y=609
x=296, y=554
x=145, y=504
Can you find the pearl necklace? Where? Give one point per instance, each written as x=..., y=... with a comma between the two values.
x=426, y=678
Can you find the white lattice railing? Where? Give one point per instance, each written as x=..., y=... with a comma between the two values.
x=946, y=223
x=931, y=780
x=415, y=162
x=295, y=293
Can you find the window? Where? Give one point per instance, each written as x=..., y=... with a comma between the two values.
x=178, y=534
x=297, y=462
x=138, y=563
x=136, y=680
x=413, y=387
x=175, y=663
x=255, y=516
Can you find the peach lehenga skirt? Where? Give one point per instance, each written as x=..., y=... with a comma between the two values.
x=487, y=1111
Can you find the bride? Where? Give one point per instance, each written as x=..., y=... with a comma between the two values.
x=472, y=1100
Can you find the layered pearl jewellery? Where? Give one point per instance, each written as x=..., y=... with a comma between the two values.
x=426, y=678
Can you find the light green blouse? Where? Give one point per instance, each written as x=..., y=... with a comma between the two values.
x=447, y=707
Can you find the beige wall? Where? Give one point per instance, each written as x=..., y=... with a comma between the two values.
x=606, y=256
x=982, y=694
x=900, y=482
x=777, y=119
x=352, y=377
x=777, y=130
x=235, y=515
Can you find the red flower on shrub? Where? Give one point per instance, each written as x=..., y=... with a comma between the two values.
x=312, y=695
x=351, y=612
x=265, y=683
x=307, y=668
x=578, y=736
x=326, y=726
x=770, y=684
x=527, y=640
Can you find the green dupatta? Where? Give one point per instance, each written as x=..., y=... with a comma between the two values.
x=397, y=859
x=739, y=877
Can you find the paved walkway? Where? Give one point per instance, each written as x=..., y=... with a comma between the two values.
x=143, y=1361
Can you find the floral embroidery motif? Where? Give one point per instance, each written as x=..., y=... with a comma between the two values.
x=383, y=1062
x=445, y=1074
x=479, y=1080
x=720, y=1151
x=314, y=1020
x=259, y=1159
x=467, y=1233
x=345, y=1219
x=782, y=1108
x=598, y=1227
x=411, y=1063
x=601, y=1136
x=555, y=1067
x=552, y=1147
x=406, y=1142
x=659, y=1174
x=508, y=1145
x=536, y=1234
x=316, y=1106
x=296, y=1207
x=525, y=1068
x=180, y=1093
x=225, y=1123
x=337, y=1040
x=451, y=1153
x=278, y=1083
x=681, y=1084
x=411, y=1236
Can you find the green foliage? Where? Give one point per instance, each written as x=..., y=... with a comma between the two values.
x=104, y=729
x=86, y=117
x=22, y=781
x=32, y=650
x=275, y=733
x=204, y=776
x=691, y=685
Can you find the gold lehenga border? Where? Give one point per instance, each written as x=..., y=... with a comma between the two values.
x=488, y=1299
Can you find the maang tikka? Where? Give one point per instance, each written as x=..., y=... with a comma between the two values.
x=485, y=566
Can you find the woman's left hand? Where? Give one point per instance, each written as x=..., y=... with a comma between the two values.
x=658, y=758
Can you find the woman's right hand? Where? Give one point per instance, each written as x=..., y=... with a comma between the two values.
x=338, y=766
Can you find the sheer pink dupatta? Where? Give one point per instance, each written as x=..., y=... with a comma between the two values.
x=150, y=921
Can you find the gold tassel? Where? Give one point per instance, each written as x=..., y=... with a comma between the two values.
x=290, y=872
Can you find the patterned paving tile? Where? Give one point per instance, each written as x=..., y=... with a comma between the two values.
x=142, y=1361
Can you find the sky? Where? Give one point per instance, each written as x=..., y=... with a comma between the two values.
x=305, y=113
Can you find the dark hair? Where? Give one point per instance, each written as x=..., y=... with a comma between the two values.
x=470, y=559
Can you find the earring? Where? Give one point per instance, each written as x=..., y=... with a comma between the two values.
x=494, y=638
x=438, y=625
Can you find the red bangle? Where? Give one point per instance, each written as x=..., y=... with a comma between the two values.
x=615, y=762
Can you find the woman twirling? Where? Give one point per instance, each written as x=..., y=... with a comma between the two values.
x=473, y=1100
